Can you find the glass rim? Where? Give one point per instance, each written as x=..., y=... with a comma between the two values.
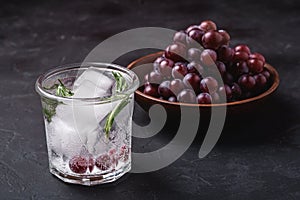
x=99, y=100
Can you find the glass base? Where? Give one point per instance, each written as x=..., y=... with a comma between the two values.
x=90, y=180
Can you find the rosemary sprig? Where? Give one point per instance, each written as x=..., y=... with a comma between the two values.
x=62, y=91
x=111, y=117
x=121, y=82
x=121, y=86
x=49, y=108
x=49, y=105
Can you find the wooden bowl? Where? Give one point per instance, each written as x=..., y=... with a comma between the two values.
x=237, y=107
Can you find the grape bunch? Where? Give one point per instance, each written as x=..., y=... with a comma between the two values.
x=188, y=70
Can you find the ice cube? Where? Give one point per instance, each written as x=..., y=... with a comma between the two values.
x=73, y=128
x=87, y=89
x=63, y=138
x=76, y=127
x=93, y=82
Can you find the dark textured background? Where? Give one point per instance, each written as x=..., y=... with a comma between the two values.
x=256, y=159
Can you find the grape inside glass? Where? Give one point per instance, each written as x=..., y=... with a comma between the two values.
x=87, y=110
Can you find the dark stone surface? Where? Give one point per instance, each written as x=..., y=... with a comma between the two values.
x=257, y=158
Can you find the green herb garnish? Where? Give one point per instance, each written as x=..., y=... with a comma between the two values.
x=49, y=108
x=111, y=117
x=49, y=105
x=121, y=82
x=62, y=91
x=121, y=85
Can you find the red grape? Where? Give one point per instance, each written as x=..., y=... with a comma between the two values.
x=258, y=56
x=240, y=56
x=209, y=85
x=225, y=53
x=193, y=54
x=208, y=26
x=103, y=162
x=204, y=98
x=240, y=68
x=186, y=96
x=221, y=67
x=226, y=37
x=255, y=65
x=247, y=82
x=176, y=86
x=151, y=90
x=208, y=57
x=154, y=77
x=192, y=80
x=236, y=91
x=176, y=52
x=260, y=80
x=179, y=71
x=226, y=90
x=212, y=40
x=194, y=67
x=242, y=48
x=180, y=37
x=157, y=62
x=196, y=36
x=227, y=78
x=266, y=73
x=192, y=27
x=165, y=67
x=78, y=164
x=164, y=90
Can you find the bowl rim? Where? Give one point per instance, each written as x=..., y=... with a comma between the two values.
x=273, y=87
